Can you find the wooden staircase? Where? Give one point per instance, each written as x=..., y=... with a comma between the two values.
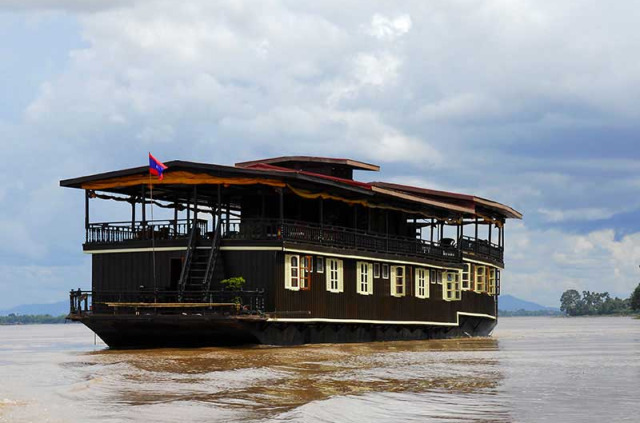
x=199, y=267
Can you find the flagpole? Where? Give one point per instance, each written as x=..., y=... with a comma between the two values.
x=153, y=242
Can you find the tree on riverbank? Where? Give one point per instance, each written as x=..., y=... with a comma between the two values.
x=30, y=319
x=593, y=303
x=635, y=299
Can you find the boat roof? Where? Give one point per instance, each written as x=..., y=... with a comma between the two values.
x=277, y=172
x=305, y=160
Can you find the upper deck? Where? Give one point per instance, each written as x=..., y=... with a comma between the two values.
x=305, y=201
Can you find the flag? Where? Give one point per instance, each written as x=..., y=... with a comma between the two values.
x=156, y=167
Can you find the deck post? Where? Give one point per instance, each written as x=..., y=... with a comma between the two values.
x=228, y=215
x=86, y=209
x=195, y=204
x=475, y=244
x=132, y=200
x=188, y=213
x=281, y=194
x=175, y=218
x=144, y=206
x=432, y=223
x=321, y=212
x=490, y=232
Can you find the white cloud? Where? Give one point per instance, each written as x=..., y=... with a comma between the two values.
x=385, y=28
x=474, y=97
x=541, y=264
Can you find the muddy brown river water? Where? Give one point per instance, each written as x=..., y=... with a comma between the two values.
x=534, y=369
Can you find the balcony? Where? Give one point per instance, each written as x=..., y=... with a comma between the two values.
x=118, y=232
x=298, y=232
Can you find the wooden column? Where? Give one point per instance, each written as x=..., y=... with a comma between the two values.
x=86, y=209
x=228, y=216
x=476, y=228
x=195, y=204
x=175, y=218
x=432, y=224
x=144, y=205
x=132, y=199
x=490, y=231
x=281, y=194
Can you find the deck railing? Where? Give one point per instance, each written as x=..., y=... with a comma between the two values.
x=115, y=232
x=235, y=302
x=338, y=237
x=482, y=248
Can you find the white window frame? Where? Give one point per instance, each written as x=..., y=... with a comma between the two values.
x=319, y=264
x=334, y=274
x=376, y=270
x=305, y=273
x=394, y=281
x=422, y=281
x=291, y=282
x=466, y=277
x=385, y=271
x=480, y=278
x=491, y=281
x=364, y=281
x=451, y=285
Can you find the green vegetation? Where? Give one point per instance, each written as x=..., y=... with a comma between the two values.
x=522, y=312
x=593, y=303
x=635, y=299
x=30, y=319
x=234, y=284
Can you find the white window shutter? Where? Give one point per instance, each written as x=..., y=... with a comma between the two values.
x=369, y=279
x=340, y=279
x=287, y=272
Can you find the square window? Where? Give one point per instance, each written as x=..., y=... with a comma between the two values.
x=320, y=264
x=376, y=270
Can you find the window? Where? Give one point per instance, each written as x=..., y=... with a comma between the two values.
x=466, y=277
x=365, y=278
x=498, y=274
x=376, y=270
x=320, y=264
x=385, y=271
x=451, y=287
x=491, y=281
x=334, y=275
x=480, y=278
x=397, y=281
x=292, y=272
x=306, y=266
x=297, y=272
x=436, y=276
x=422, y=282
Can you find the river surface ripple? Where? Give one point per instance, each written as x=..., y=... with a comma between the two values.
x=533, y=369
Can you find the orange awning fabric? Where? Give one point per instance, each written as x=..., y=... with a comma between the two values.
x=177, y=178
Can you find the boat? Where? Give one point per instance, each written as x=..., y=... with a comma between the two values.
x=284, y=251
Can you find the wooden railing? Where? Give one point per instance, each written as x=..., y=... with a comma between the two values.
x=116, y=232
x=338, y=237
x=482, y=248
x=88, y=302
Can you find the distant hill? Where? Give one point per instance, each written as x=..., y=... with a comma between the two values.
x=511, y=303
x=54, y=309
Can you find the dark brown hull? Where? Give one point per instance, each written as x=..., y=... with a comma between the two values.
x=157, y=331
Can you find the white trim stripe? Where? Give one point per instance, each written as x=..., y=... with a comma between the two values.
x=484, y=263
x=135, y=250
x=370, y=259
x=231, y=248
x=380, y=322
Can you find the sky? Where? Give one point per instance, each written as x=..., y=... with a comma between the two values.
x=530, y=103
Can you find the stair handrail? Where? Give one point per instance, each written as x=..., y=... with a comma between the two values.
x=213, y=255
x=184, y=273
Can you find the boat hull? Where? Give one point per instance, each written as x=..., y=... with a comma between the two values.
x=158, y=331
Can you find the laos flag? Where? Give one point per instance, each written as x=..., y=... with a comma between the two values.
x=156, y=167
